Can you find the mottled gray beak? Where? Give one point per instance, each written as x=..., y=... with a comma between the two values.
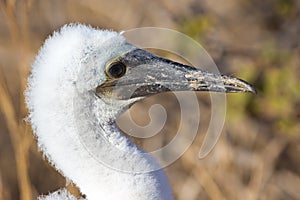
x=139, y=73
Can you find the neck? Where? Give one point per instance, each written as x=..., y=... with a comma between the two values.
x=99, y=159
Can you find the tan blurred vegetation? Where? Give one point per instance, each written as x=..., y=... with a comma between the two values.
x=257, y=156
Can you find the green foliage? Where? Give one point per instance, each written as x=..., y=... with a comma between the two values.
x=196, y=26
x=275, y=75
x=285, y=8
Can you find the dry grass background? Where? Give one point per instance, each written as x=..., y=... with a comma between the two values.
x=257, y=156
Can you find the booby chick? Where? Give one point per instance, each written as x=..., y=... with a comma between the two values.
x=81, y=80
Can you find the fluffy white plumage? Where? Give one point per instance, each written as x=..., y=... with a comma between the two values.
x=62, y=194
x=66, y=115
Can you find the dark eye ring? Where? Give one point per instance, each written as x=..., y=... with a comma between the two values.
x=116, y=69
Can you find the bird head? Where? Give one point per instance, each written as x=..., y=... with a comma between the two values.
x=133, y=74
x=103, y=63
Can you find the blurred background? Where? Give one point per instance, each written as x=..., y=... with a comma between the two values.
x=257, y=156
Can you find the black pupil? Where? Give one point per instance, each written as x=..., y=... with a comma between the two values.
x=117, y=70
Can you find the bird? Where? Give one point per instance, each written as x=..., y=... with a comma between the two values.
x=81, y=80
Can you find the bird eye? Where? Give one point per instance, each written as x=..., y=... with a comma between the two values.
x=116, y=69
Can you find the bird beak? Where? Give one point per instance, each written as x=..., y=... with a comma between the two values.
x=148, y=74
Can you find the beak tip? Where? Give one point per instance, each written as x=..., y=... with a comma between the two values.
x=245, y=86
x=249, y=88
x=252, y=89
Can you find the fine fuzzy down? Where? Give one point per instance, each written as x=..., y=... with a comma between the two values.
x=61, y=194
x=73, y=126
